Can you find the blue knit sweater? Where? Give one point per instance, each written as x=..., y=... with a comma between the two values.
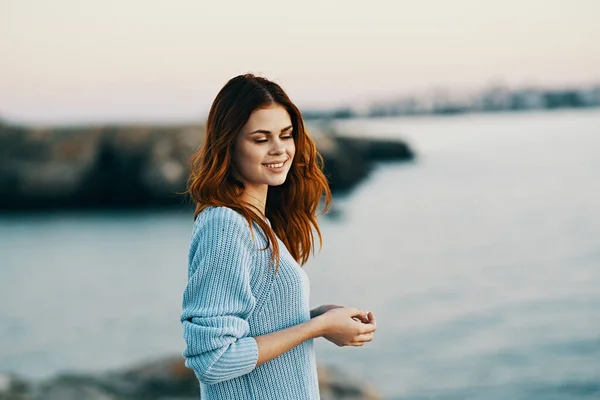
x=233, y=295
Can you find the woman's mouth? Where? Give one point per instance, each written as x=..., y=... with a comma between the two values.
x=276, y=167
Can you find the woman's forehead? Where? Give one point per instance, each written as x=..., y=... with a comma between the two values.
x=274, y=118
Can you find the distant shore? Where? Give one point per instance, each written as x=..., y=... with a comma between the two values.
x=446, y=102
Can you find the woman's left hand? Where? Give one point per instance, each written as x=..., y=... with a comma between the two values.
x=315, y=312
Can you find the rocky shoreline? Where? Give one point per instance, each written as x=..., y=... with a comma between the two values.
x=162, y=379
x=141, y=166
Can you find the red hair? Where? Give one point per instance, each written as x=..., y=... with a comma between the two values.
x=291, y=207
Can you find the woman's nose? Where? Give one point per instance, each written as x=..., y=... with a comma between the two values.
x=277, y=148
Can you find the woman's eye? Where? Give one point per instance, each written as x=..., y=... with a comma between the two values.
x=261, y=141
x=287, y=137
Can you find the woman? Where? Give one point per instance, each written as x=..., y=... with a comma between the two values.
x=257, y=184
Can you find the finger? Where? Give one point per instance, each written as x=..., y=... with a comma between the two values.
x=364, y=319
x=365, y=337
x=355, y=312
x=357, y=344
x=372, y=318
x=368, y=328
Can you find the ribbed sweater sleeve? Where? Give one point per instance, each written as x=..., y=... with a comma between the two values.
x=218, y=300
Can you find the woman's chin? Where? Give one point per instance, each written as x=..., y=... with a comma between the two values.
x=277, y=182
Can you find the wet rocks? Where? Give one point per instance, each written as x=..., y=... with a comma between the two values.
x=140, y=166
x=161, y=379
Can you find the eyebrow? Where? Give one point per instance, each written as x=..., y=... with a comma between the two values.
x=269, y=132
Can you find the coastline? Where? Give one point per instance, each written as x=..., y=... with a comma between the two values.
x=127, y=167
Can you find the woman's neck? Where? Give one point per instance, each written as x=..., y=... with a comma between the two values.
x=257, y=198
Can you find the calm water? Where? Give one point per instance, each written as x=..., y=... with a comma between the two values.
x=481, y=262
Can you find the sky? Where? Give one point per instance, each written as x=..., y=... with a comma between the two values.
x=64, y=61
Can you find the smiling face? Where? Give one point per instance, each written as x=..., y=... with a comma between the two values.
x=264, y=149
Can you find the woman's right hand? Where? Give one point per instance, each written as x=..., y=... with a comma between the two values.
x=341, y=329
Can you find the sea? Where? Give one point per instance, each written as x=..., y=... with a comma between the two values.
x=480, y=261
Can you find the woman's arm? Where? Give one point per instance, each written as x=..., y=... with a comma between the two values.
x=276, y=343
x=218, y=299
x=336, y=325
x=315, y=312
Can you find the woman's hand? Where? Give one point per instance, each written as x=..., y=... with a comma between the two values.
x=342, y=329
x=315, y=312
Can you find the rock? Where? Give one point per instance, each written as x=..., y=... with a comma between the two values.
x=72, y=388
x=169, y=378
x=378, y=150
x=165, y=378
x=335, y=384
x=140, y=166
x=13, y=388
x=350, y=160
x=344, y=167
x=160, y=379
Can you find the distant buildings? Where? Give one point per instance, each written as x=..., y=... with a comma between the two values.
x=494, y=99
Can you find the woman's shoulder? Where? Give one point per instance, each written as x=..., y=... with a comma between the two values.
x=221, y=218
x=219, y=232
x=219, y=213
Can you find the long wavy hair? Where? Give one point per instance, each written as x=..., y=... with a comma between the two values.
x=291, y=207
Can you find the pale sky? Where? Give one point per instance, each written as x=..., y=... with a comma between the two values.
x=67, y=61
